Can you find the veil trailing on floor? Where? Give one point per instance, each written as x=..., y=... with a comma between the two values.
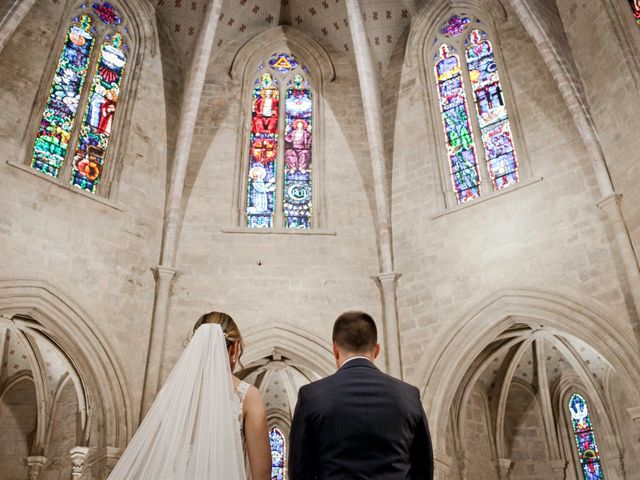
x=191, y=431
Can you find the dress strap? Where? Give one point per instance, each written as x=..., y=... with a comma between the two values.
x=242, y=390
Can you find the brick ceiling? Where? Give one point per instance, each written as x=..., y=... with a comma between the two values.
x=324, y=20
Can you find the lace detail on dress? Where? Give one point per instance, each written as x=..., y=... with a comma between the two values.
x=238, y=415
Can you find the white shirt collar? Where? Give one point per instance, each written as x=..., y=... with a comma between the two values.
x=353, y=358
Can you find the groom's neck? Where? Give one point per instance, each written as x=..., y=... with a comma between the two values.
x=352, y=356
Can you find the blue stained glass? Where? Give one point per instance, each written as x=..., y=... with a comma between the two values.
x=95, y=133
x=585, y=438
x=278, y=454
x=493, y=118
x=283, y=62
x=455, y=26
x=107, y=13
x=52, y=142
x=297, y=155
x=263, y=152
x=465, y=176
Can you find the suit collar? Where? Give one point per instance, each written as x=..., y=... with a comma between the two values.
x=358, y=362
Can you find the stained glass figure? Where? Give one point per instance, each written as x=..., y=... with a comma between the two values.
x=502, y=162
x=585, y=438
x=52, y=141
x=455, y=26
x=278, y=454
x=95, y=132
x=457, y=128
x=635, y=8
x=283, y=62
x=297, y=154
x=263, y=152
x=107, y=13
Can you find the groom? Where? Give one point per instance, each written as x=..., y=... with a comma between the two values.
x=359, y=423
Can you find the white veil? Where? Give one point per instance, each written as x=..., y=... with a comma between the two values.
x=190, y=432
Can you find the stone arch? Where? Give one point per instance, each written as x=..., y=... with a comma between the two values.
x=242, y=71
x=307, y=350
x=38, y=306
x=567, y=314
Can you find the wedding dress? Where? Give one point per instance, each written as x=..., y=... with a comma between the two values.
x=193, y=430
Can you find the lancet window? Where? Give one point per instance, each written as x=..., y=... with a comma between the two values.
x=278, y=454
x=480, y=144
x=76, y=126
x=585, y=438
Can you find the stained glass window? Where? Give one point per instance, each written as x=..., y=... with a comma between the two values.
x=277, y=198
x=106, y=13
x=455, y=26
x=263, y=152
x=457, y=128
x=635, y=8
x=493, y=118
x=297, y=154
x=54, y=133
x=278, y=454
x=57, y=136
x=585, y=438
x=96, y=128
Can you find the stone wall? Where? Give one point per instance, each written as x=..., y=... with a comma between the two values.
x=99, y=254
x=17, y=424
x=478, y=440
x=62, y=431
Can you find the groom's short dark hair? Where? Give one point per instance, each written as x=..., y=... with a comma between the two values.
x=355, y=332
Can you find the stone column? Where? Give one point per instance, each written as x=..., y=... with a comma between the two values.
x=463, y=464
x=78, y=461
x=12, y=17
x=563, y=72
x=442, y=465
x=504, y=466
x=559, y=468
x=103, y=461
x=372, y=107
x=194, y=85
x=36, y=464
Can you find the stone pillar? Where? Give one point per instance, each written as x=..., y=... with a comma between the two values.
x=504, y=466
x=103, y=461
x=442, y=465
x=12, y=17
x=164, y=279
x=78, y=461
x=559, y=468
x=194, y=85
x=372, y=107
x=463, y=465
x=36, y=464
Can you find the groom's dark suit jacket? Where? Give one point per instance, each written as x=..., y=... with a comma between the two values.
x=360, y=424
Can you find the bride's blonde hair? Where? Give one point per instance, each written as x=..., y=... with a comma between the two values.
x=229, y=328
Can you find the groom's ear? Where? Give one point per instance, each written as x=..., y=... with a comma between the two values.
x=336, y=352
x=376, y=351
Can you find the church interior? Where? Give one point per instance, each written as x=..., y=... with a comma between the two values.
x=456, y=168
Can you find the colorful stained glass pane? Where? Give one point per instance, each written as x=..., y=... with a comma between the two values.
x=493, y=118
x=263, y=153
x=457, y=128
x=283, y=62
x=52, y=142
x=635, y=8
x=585, y=438
x=107, y=13
x=297, y=154
x=95, y=133
x=455, y=26
x=278, y=454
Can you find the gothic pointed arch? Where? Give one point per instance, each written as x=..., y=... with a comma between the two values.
x=280, y=169
x=468, y=97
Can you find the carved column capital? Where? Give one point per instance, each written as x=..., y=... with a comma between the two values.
x=611, y=205
x=103, y=460
x=463, y=464
x=78, y=460
x=35, y=464
x=504, y=466
x=163, y=273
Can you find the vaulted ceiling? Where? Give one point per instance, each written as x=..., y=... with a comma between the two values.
x=324, y=20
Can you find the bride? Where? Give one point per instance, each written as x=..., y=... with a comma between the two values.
x=204, y=422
